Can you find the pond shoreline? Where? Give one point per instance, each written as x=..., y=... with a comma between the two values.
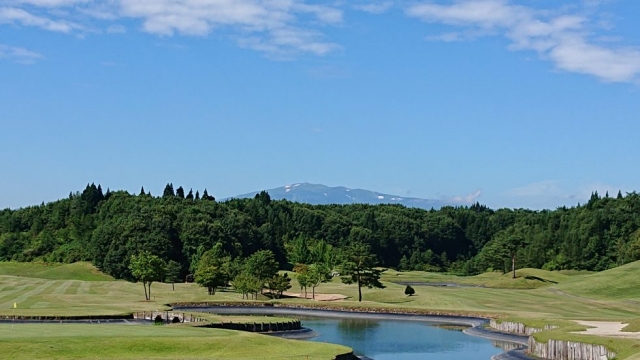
x=475, y=324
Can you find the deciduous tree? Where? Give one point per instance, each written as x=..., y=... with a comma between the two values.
x=147, y=268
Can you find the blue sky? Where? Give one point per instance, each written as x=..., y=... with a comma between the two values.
x=511, y=103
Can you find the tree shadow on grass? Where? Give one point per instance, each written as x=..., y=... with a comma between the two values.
x=531, y=277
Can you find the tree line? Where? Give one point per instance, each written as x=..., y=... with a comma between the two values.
x=109, y=228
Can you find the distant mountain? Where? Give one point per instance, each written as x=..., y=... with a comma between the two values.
x=317, y=194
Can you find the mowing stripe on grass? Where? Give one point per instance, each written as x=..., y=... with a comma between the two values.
x=62, y=288
x=24, y=297
x=73, y=289
x=41, y=305
x=7, y=295
x=83, y=288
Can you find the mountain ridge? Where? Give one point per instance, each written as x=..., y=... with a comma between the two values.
x=318, y=194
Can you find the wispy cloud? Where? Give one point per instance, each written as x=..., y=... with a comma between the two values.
x=550, y=194
x=12, y=15
x=51, y=3
x=463, y=199
x=269, y=26
x=18, y=54
x=278, y=27
x=377, y=7
x=558, y=36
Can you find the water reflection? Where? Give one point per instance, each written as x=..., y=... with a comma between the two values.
x=386, y=339
x=505, y=346
x=357, y=329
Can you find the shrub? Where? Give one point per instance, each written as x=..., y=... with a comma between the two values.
x=409, y=290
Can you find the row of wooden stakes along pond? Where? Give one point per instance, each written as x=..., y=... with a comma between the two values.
x=259, y=327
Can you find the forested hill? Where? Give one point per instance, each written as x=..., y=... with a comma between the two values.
x=107, y=228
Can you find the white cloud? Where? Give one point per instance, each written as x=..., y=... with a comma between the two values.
x=464, y=200
x=556, y=35
x=278, y=27
x=19, y=55
x=269, y=26
x=22, y=17
x=51, y=3
x=374, y=7
x=449, y=37
x=550, y=194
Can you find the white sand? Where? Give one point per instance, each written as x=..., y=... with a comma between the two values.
x=607, y=328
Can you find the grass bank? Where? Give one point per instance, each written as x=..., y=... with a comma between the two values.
x=66, y=341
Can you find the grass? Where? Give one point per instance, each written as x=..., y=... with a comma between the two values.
x=66, y=341
x=525, y=278
x=77, y=271
x=621, y=283
x=632, y=326
x=558, y=298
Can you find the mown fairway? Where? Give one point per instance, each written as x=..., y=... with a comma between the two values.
x=598, y=296
x=537, y=297
x=69, y=341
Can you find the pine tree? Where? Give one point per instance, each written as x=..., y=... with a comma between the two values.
x=359, y=267
x=197, y=195
x=168, y=191
x=180, y=192
x=100, y=193
x=190, y=195
x=206, y=196
x=142, y=192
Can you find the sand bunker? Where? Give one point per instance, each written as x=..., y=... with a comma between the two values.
x=319, y=297
x=607, y=328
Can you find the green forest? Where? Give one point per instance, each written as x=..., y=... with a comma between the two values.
x=108, y=228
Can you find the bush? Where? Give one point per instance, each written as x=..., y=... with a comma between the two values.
x=409, y=290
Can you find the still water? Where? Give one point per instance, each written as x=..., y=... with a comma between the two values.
x=401, y=340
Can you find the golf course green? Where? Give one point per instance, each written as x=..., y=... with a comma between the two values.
x=536, y=298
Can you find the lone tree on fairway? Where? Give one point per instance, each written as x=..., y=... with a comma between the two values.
x=409, y=290
x=358, y=266
x=513, y=244
x=147, y=268
x=172, y=274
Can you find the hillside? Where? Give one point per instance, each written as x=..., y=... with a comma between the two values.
x=621, y=283
x=525, y=278
x=106, y=229
x=76, y=271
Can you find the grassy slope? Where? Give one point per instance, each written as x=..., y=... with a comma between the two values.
x=62, y=341
x=621, y=283
x=525, y=278
x=77, y=271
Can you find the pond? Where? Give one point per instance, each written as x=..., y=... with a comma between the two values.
x=383, y=337
x=400, y=340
